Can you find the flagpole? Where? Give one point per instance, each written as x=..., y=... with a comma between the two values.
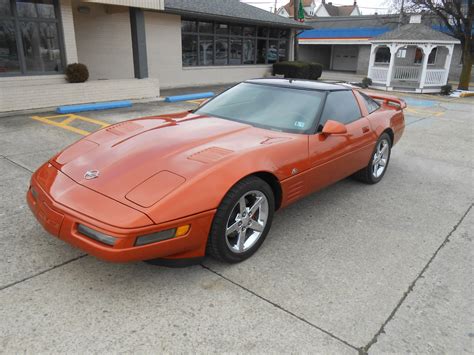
x=296, y=8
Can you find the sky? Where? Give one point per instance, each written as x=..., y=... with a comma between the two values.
x=366, y=6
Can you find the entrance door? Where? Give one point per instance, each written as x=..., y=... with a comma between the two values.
x=345, y=58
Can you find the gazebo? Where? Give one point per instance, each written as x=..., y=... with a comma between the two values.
x=413, y=57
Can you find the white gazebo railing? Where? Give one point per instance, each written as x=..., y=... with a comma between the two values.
x=435, y=77
x=379, y=75
x=406, y=73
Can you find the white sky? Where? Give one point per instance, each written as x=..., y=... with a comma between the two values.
x=366, y=6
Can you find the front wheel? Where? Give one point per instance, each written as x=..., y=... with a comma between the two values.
x=378, y=164
x=242, y=220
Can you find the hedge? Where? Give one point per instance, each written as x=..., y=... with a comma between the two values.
x=298, y=70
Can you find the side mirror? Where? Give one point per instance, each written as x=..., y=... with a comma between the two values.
x=334, y=127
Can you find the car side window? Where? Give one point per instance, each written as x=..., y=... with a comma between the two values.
x=370, y=103
x=340, y=106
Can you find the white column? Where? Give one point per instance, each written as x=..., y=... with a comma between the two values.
x=373, y=50
x=393, y=49
x=426, y=52
x=447, y=63
x=68, y=32
x=291, y=46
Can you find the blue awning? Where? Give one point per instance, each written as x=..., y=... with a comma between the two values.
x=357, y=32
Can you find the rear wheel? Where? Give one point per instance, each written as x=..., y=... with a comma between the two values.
x=378, y=164
x=242, y=221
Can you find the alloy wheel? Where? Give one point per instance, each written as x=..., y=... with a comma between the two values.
x=247, y=221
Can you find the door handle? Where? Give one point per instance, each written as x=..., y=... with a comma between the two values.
x=365, y=129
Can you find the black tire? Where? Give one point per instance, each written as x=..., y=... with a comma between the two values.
x=218, y=243
x=366, y=175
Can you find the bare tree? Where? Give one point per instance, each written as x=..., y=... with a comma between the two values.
x=457, y=17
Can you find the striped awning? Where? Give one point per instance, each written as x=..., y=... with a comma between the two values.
x=144, y=4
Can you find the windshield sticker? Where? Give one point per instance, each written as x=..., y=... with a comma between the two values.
x=299, y=124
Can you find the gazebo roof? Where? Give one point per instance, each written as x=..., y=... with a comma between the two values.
x=415, y=32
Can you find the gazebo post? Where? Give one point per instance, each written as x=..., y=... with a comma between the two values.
x=426, y=52
x=373, y=49
x=447, y=63
x=393, y=50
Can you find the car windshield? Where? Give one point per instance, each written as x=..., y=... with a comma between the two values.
x=267, y=106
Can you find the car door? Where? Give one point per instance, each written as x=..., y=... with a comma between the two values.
x=335, y=156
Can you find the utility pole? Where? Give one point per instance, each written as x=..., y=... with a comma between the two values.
x=296, y=7
x=400, y=17
x=275, y=6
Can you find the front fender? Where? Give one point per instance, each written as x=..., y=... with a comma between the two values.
x=206, y=190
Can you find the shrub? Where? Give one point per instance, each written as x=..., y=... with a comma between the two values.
x=446, y=89
x=366, y=82
x=315, y=71
x=298, y=70
x=77, y=73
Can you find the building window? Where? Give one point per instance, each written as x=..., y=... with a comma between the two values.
x=382, y=55
x=213, y=43
x=30, y=41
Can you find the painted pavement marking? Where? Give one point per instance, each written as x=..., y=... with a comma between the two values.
x=64, y=121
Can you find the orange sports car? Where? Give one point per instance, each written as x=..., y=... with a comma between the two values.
x=170, y=189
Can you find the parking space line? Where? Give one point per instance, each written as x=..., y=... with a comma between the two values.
x=67, y=120
x=424, y=112
x=91, y=120
x=197, y=101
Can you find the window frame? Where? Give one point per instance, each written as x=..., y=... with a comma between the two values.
x=311, y=131
x=323, y=107
x=229, y=36
x=367, y=99
x=17, y=20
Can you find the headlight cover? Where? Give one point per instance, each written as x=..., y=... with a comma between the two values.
x=155, y=237
x=96, y=235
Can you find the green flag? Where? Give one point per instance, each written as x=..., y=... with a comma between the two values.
x=301, y=12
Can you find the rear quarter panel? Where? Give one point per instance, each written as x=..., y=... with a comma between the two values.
x=391, y=117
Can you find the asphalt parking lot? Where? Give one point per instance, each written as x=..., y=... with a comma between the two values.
x=384, y=268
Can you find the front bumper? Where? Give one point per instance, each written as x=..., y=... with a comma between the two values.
x=61, y=219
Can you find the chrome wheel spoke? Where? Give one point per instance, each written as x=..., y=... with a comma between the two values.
x=256, y=226
x=242, y=205
x=241, y=240
x=382, y=162
x=256, y=205
x=233, y=228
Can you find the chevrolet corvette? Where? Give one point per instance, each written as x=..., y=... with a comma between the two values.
x=171, y=189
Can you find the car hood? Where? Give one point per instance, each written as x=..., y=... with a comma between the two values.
x=140, y=161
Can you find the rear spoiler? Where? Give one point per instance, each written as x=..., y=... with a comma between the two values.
x=388, y=99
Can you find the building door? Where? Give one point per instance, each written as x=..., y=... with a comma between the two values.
x=345, y=58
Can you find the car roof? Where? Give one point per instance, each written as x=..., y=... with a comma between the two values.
x=300, y=84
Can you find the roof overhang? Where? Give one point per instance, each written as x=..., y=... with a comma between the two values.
x=306, y=41
x=206, y=16
x=401, y=41
x=144, y=4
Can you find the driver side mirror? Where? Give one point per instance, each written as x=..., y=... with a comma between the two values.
x=334, y=127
